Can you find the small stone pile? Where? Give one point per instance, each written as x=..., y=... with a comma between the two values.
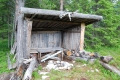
x=58, y=65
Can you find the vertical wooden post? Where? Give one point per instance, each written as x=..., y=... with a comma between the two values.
x=20, y=24
x=28, y=37
x=82, y=36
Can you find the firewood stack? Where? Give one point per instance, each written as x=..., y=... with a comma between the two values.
x=82, y=55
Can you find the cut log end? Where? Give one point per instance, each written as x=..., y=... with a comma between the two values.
x=106, y=59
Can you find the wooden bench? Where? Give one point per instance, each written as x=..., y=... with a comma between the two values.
x=41, y=51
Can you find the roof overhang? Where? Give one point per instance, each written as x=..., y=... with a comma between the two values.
x=44, y=19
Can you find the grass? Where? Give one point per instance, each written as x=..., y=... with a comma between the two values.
x=78, y=72
x=3, y=58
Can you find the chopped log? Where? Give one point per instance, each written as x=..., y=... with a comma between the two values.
x=67, y=52
x=106, y=59
x=111, y=68
x=28, y=73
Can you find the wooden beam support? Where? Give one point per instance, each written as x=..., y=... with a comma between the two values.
x=28, y=36
x=82, y=36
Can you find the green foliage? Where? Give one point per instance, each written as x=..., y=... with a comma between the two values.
x=3, y=57
x=56, y=75
x=43, y=4
x=39, y=67
x=78, y=60
x=36, y=75
x=104, y=33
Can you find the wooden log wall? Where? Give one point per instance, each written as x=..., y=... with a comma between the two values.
x=71, y=39
x=44, y=39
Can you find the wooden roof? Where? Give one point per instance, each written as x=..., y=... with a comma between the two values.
x=57, y=20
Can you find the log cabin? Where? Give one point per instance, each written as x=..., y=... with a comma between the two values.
x=42, y=30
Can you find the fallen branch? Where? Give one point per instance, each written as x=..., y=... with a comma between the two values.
x=51, y=56
x=106, y=59
x=111, y=68
x=28, y=73
x=46, y=56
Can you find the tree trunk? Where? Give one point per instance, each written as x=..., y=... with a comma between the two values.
x=20, y=26
x=61, y=5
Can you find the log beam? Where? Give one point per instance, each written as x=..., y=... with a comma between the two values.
x=58, y=13
x=111, y=68
x=82, y=36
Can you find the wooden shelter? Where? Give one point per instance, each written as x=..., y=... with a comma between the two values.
x=45, y=30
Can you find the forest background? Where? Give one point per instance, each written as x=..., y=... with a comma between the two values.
x=101, y=34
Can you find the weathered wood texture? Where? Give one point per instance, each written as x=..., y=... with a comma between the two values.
x=71, y=39
x=82, y=36
x=27, y=41
x=28, y=73
x=51, y=56
x=111, y=68
x=20, y=31
x=44, y=39
x=57, y=13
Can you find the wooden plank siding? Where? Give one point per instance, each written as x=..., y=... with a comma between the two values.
x=45, y=39
x=71, y=39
